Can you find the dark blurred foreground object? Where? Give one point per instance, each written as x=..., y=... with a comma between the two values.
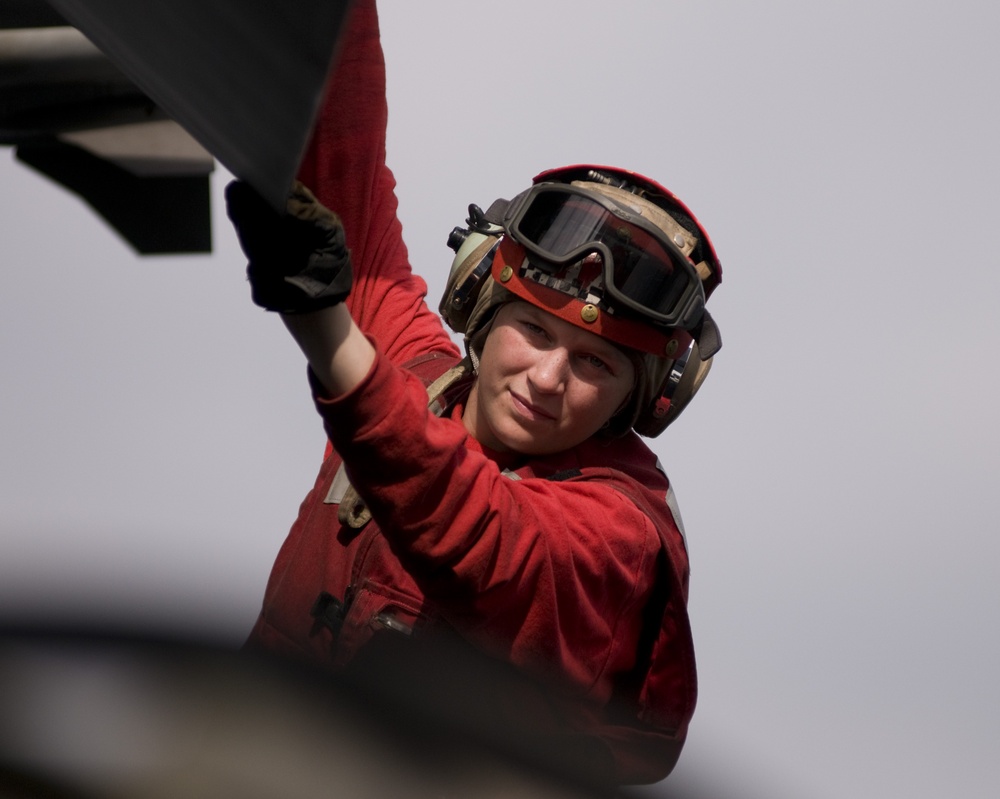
x=85, y=715
x=128, y=106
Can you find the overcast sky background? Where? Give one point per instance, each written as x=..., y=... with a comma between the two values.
x=838, y=473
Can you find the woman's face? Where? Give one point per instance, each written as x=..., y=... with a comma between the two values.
x=544, y=385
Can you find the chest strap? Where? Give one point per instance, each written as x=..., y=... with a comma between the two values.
x=353, y=511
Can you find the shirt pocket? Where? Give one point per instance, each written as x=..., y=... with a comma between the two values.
x=378, y=610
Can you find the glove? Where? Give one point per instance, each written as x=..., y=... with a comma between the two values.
x=298, y=262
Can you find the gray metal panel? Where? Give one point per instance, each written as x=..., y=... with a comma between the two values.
x=244, y=77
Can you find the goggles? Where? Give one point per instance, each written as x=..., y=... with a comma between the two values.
x=643, y=270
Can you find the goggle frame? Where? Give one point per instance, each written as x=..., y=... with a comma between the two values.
x=686, y=310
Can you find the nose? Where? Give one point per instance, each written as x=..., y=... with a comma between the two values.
x=550, y=371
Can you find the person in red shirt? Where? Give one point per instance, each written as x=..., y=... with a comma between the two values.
x=501, y=495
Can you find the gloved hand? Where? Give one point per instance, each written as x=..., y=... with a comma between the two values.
x=297, y=262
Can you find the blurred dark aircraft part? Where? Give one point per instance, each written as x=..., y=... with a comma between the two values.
x=91, y=715
x=156, y=214
x=28, y=14
x=244, y=77
x=132, y=124
x=74, y=117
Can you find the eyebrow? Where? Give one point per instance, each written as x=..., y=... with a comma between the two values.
x=610, y=352
x=604, y=349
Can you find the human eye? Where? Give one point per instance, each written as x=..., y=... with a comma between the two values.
x=533, y=328
x=596, y=362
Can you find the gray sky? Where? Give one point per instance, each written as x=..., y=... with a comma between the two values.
x=836, y=473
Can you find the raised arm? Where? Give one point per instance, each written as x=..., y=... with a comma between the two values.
x=344, y=166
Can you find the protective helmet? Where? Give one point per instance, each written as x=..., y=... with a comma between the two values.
x=645, y=290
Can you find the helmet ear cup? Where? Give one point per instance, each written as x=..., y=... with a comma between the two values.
x=470, y=270
x=674, y=395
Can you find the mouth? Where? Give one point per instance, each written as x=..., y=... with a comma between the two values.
x=530, y=411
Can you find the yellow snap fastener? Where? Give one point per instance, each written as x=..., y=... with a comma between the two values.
x=506, y=274
x=589, y=313
x=671, y=348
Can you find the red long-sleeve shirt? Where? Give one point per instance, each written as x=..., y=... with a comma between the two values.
x=554, y=575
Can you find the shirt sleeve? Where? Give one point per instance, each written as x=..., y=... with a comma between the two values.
x=344, y=165
x=556, y=573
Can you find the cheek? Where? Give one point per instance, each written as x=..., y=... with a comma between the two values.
x=603, y=401
x=597, y=404
x=625, y=385
x=506, y=352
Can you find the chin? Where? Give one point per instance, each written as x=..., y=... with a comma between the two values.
x=526, y=444
x=517, y=441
